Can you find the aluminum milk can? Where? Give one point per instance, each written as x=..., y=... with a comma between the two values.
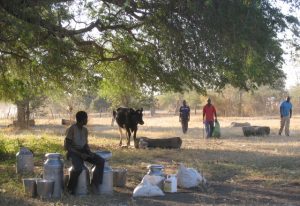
x=53, y=170
x=157, y=170
x=82, y=182
x=24, y=163
x=107, y=183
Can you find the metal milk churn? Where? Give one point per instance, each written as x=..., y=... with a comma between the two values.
x=107, y=183
x=157, y=170
x=53, y=170
x=24, y=163
x=82, y=182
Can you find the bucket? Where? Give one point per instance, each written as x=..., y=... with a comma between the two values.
x=45, y=188
x=119, y=177
x=30, y=187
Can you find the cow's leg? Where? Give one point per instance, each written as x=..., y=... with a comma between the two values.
x=134, y=138
x=128, y=136
x=121, y=135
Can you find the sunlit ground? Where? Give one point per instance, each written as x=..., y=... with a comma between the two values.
x=240, y=170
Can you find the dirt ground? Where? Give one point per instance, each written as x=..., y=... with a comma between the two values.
x=240, y=170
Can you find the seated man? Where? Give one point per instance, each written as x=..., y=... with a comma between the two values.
x=76, y=144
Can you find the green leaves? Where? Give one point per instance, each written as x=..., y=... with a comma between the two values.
x=167, y=45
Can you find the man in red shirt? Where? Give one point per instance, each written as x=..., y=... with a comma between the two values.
x=209, y=112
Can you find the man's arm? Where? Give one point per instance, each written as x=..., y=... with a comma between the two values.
x=69, y=148
x=180, y=114
x=87, y=147
x=291, y=111
x=280, y=110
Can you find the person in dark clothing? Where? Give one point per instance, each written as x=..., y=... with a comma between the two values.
x=184, y=116
x=76, y=144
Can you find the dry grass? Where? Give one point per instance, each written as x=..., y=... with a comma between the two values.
x=241, y=170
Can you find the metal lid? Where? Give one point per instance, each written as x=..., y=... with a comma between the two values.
x=24, y=151
x=31, y=179
x=44, y=181
x=104, y=154
x=155, y=166
x=53, y=155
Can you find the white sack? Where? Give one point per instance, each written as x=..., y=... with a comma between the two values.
x=153, y=179
x=146, y=189
x=189, y=177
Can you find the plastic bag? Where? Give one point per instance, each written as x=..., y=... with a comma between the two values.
x=146, y=189
x=217, y=130
x=154, y=180
x=189, y=177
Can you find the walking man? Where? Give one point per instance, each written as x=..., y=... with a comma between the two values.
x=184, y=116
x=285, y=115
x=209, y=116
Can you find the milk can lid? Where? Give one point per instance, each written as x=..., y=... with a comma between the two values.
x=53, y=155
x=104, y=154
x=155, y=166
x=24, y=151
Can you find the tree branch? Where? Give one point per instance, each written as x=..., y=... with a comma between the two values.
x=14, y=54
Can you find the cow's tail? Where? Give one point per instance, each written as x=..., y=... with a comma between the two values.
x=114, y=114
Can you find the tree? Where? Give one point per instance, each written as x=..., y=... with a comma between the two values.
x=263, y=101
x=27, y=84
x=169, y=44
x=193, y=99
x=22, y=87
x=78, y=93
x=121, y=88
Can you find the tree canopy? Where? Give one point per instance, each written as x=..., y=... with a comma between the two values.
x=167, y=44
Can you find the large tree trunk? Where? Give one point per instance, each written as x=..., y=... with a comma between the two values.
x=153, y=104
x=240, y=105
x=23, y=113
x=152, y=111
